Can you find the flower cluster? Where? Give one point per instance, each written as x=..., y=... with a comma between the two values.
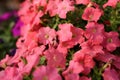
x=64, y=40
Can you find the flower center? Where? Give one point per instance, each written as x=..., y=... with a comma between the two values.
x=109, y=40
x=45, y=78
x=64, y=7
x=46, y=36
x=94, y=30
x=90, y=17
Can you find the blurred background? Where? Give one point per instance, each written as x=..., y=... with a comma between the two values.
x=9, y=26
x=8, y=5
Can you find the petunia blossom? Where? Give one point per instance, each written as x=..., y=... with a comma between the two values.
x=46, y=35
x=65, y=34
x=111, y=41
x=94, y=32
x=64, y=7
x=110, y=74
x=46, y=73
x=92, y=14
x=55, y=58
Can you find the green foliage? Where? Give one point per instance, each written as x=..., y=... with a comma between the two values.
x=42, y=61
x=7, y=40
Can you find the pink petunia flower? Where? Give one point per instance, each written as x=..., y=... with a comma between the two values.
x=85, y=60
x=10, y=73
x=31, y=12
x=31, y=61
x=77, y=36
x=74, y=67
x=106, y=57
x=46, y=73
x=59, y=7
x=29, y=40
x=94, y=32
x=65, y=33
x=25, y=29
x=55, y=58
x=73, y=70
x=116, y=62
x=111, y=41
x=63, y=49
x=89, y=48
x=92, y=14
x=26, y=12
x=70, y=35
x=16, y=58
x=52, y=7
x=40, y=9
x=110, y=74
x=46, y=35
x=64, y=7
x=4, y=61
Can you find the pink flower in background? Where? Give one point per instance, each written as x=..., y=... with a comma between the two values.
x=111, y=3
x=92, y=14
